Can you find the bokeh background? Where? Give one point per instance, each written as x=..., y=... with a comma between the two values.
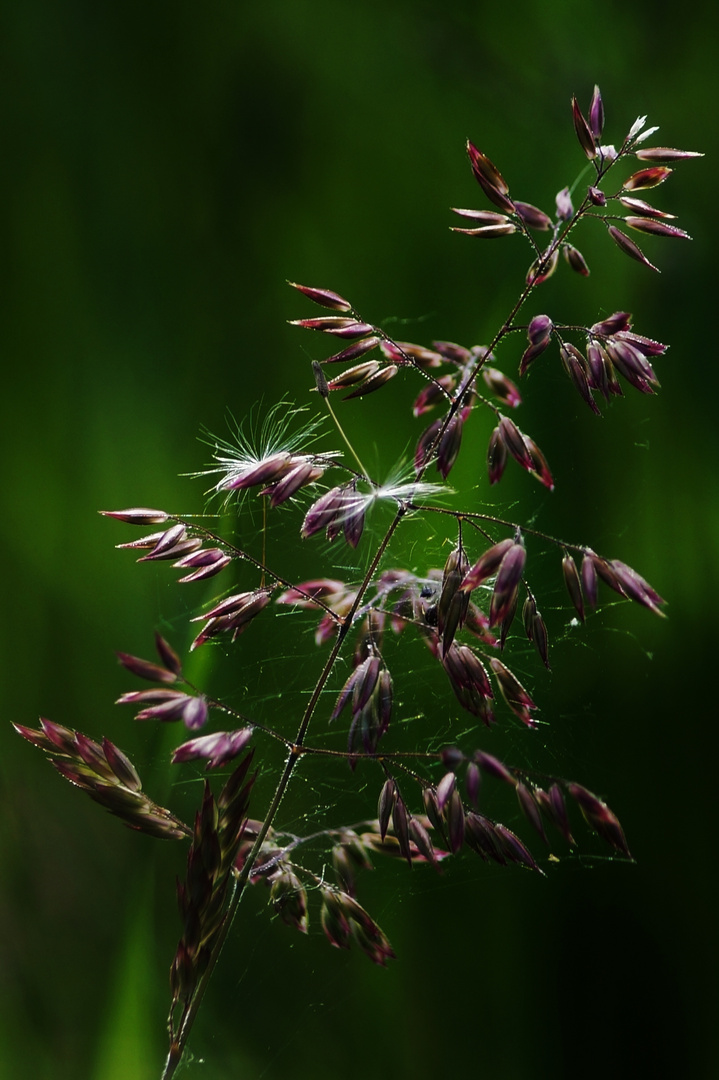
x=166, y=167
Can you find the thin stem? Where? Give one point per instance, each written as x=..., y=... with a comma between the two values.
x=264, y=543
x=352, y=450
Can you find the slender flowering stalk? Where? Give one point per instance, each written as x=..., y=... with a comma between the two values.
x=459, y=598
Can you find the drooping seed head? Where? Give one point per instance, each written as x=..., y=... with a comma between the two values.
x=473, y=782
x=513, y=692
x=494, y=767
x=429, y=798
x=599, y=375
x=217, y=748
x=529, y=611
x=433, y=393
x=530, y=355
x=323, y=297
x=374, y=382
x=452, y=758
x=486, y=565
x=386, y=801
x=166, y=708
x=477, y=679
x=233, y=614
x=480, y=835
x=509, y=576
x=646, y=346
x=514, y=849
x=307, y=593
x=450, y=614
x=607, y=154
x=121, y=766
x=557, y=811
x=267, y=470
x=302, y=474
x=584, y=133
x=144, y=543
x=496, y=456
x=613, y=324
x=596, y=114
x=402, y=352
x=482, y=166
x=450, y=350
x=589, y=579
x=426, y=445
x=639, y=206
x=334, y=922
x=167, y=654
x=565, y=209
x=175, y=551
x=489, y=179
x=353, y=375
x=577, y=368
x=575, y=259
x=502, y=387
x=533, y=216
x=139, y=515
x=469, y=681
x=421, y=839
x=336, y=325
x=482, y=217
x=488, y=232
x=656, y=228
x=352, y=520
x=632, y=365
x=345, y=694
x=454, y=818
x=322, y=512
x=365, y=680
x=514, y=441
x=530, y=809
x=383, y=701
x=400, y=826
x=206, y=564
x=353, y=351
x=195, y=712
x=449, y=445
x=505, y=624
x=145, y=669
x=540, y=468
x=107, y=775
x=541, y=639
x=168, y=541
x=599, y=817
x=543, y=267
x=574, y=587
x=288, y=897
x=636, y=588
x=539, y=331
x=647, y=178
x=664, y=153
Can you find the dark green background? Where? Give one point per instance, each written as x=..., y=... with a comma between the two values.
x=166, y=167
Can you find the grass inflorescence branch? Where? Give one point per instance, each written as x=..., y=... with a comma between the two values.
x=432, y=802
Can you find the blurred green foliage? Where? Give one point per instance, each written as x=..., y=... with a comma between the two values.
x=166, y=167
